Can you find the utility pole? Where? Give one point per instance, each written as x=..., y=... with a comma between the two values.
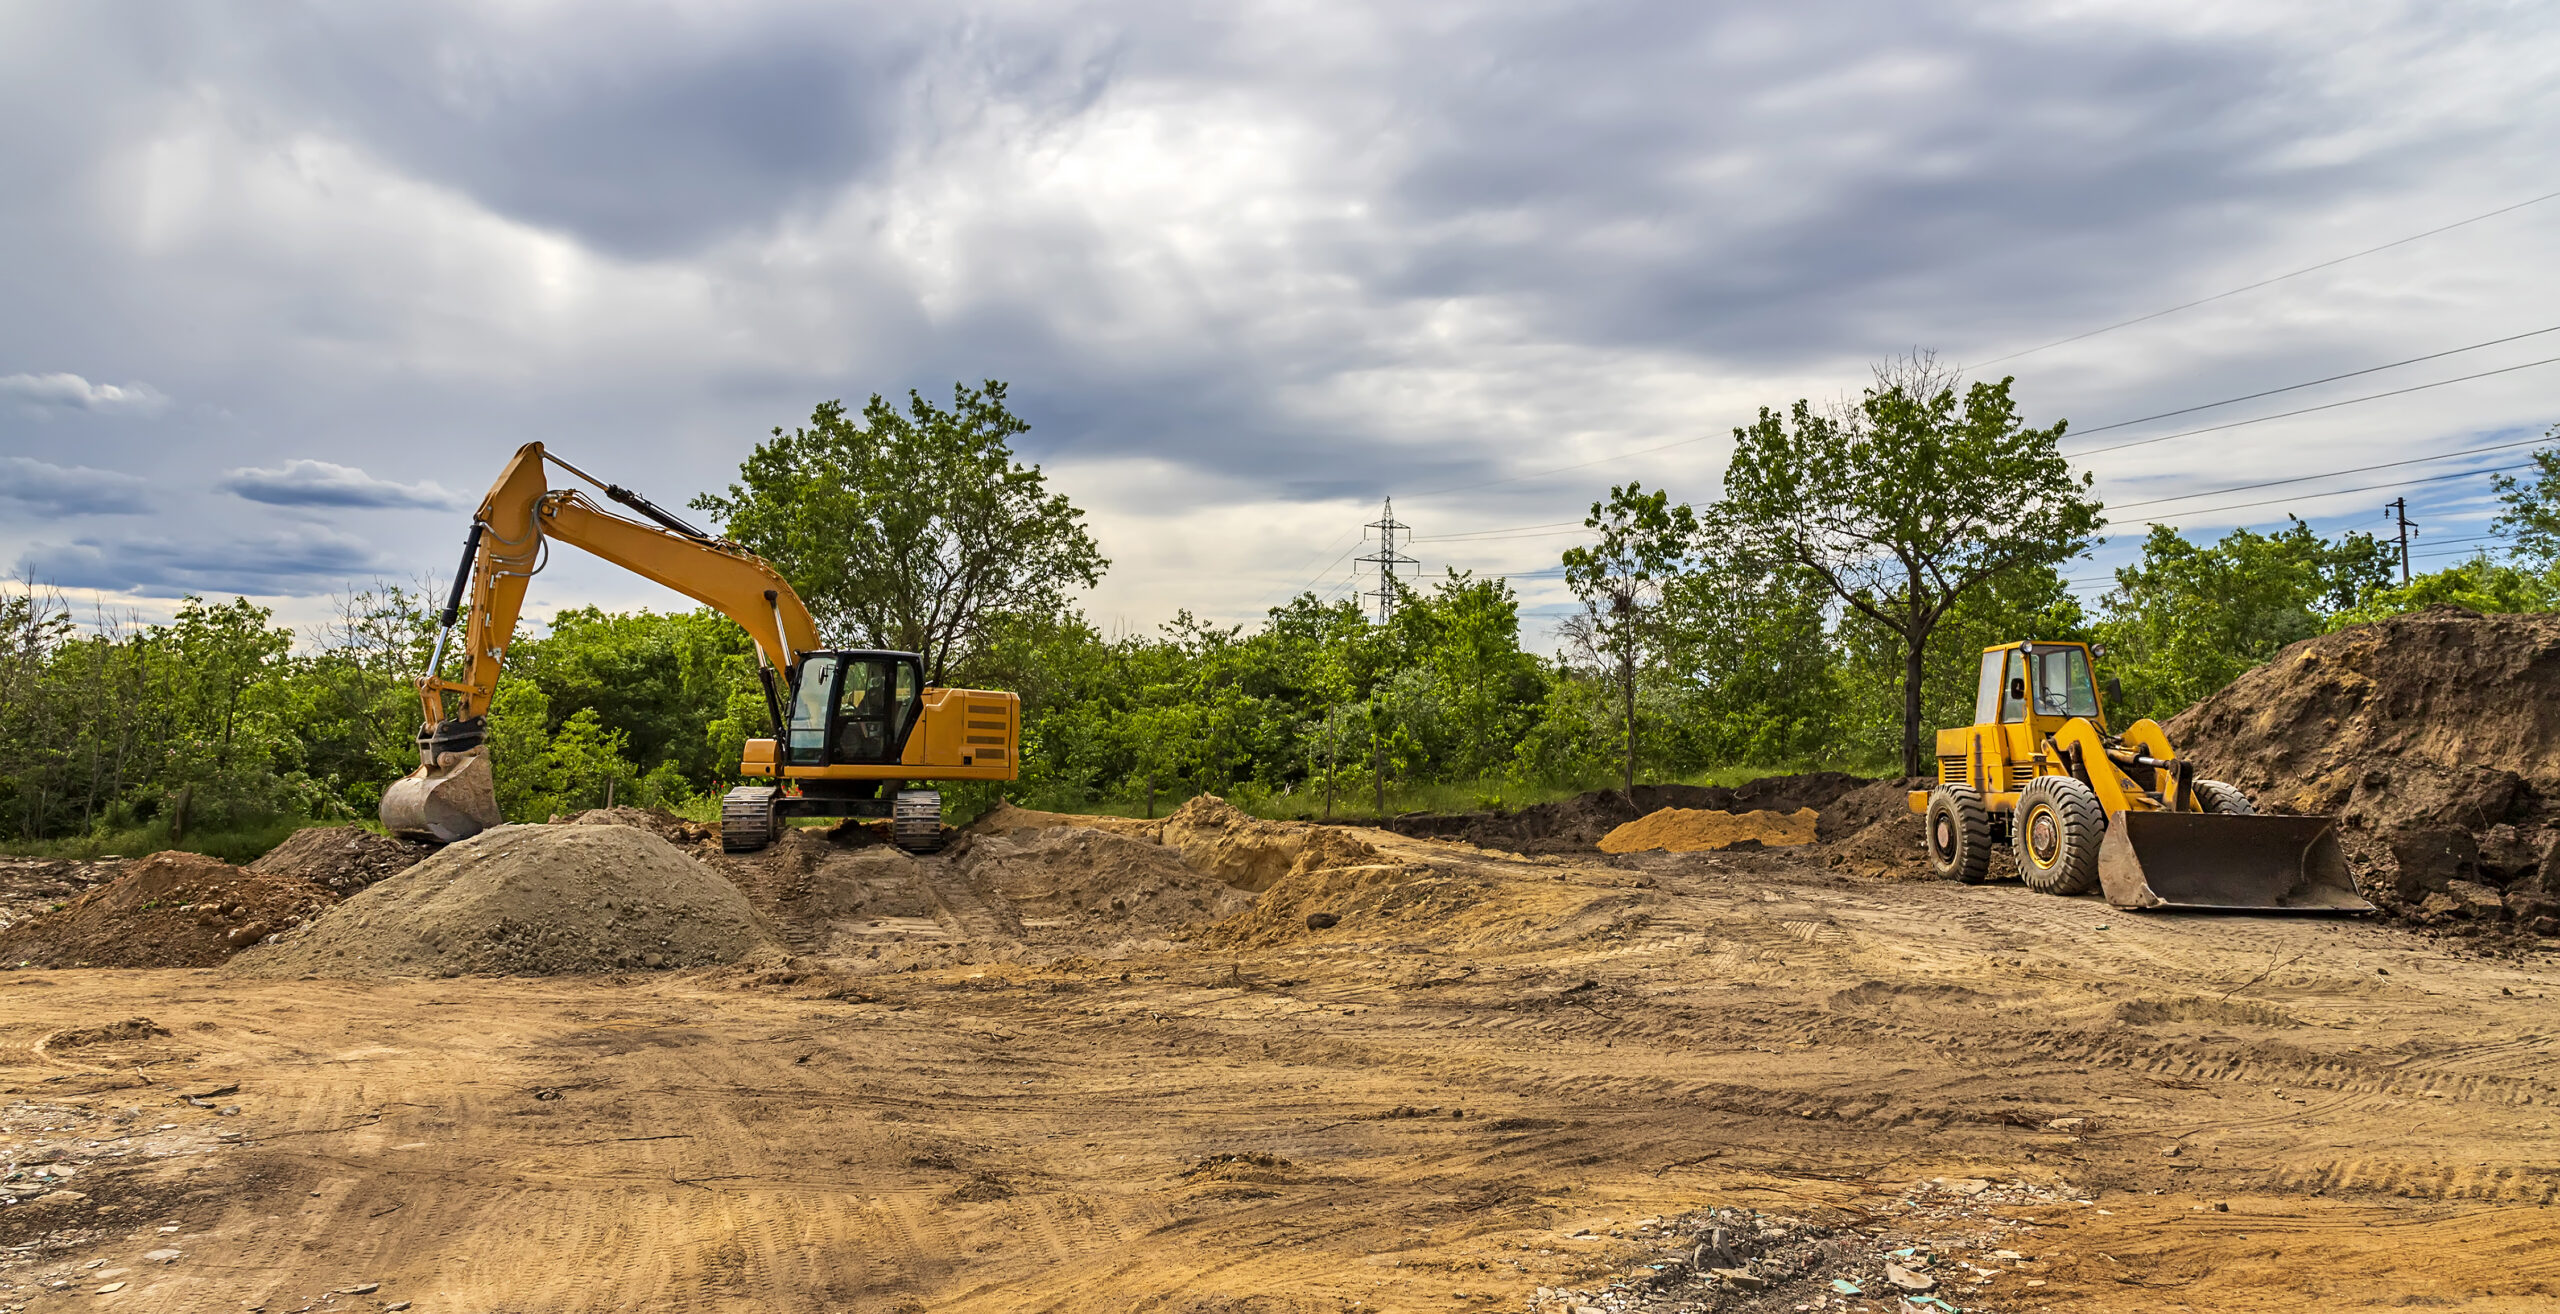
x=1386, y=558
x=2399, y=510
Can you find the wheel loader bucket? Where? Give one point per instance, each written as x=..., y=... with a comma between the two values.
x=455, y=799
x=2221, y=861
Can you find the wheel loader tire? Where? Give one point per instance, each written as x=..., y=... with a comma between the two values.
x=747, y=818
x=2225, y=800
x=2056, y=835
x=1957, y=830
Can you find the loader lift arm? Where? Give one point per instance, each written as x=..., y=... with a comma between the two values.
x=863, y=722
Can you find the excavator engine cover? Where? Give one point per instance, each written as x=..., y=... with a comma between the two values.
x=2210, y=860
x=454, y=799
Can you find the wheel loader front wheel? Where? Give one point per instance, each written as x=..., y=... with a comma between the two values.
x=1958, y=832
x=2225, y=800
x=2056, y=835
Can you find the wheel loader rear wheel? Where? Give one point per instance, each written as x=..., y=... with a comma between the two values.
x=2056, y=835
x=1958, y=831
x=2226, y=800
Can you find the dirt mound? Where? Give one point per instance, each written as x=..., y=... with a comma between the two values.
x=1076, y=878
x=1577, y=824
x=341, y=858
x=1005, y=818
x=1889, y=849
x=1252, y=854
x=1688, y=830
x=2433, y=737
x=1882, y=800
x=530, y=901
x=29, y=886
x=166, y=910
x=665, y=825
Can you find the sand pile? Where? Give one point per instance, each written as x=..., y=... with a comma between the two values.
x=2433, y=737
x=665, y=825
x=166, y=910
x=530, y=901
x=1252, y=854
x=1690, y=830
x=343, y=859
x=1076, y=877
x=1005, y=819
x=1577, y=825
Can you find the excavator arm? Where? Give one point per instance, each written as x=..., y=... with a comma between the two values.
x=452, y=794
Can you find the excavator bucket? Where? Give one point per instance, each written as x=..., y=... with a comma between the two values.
x=2212, y=860
x=455, y=799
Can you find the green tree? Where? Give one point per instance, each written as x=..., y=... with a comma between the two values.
x=2188, y=619
x=2532, y=515
x=2480, y=584
x=1907, y=502
x=1644, y=542
x=914, y=531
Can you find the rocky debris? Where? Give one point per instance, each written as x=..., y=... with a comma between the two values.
x=2433, y=737
x=1576, y=825
x=342, y=859
x=167, y=910
x=530, y=901
x=29, y=886
x=1689, y=830
x=665, y=825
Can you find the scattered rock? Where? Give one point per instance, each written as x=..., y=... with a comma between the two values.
x=1323, y=921
x=2071, y=1125
x=1907, y=1279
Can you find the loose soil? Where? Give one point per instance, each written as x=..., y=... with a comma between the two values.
x=167, y=910
x=342, y=859
x=1576, y=825
x=1496, y=1082
x=529, y=900
x=2433, y=737
x=1688, y=830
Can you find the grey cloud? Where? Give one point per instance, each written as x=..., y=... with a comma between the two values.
x=300, y=561
x=320, y=483
x=70, y=391
x=71, y=490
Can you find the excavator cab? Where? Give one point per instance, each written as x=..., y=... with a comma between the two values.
x=854, y=708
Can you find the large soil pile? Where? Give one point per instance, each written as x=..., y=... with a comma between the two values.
x=341, y=858
x=530, y=901
x=1075, y=877
x=1690, y=830
x=1576, y=825
x=2433, y=737
x=166, y=910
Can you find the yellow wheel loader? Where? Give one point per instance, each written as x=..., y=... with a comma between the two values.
x=2082, y=809
x=853, y=728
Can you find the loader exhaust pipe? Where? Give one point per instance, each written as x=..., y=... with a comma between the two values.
x=2223, y=861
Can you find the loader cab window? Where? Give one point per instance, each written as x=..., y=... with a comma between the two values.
x=1986, y=695
x=2060, y=682
x=811, y=696
x=2013, y=687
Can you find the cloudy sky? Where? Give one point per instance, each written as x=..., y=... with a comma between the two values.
x=282, y=284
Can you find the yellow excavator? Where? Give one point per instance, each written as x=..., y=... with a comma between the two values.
x=2082, y=809
x=853, y=728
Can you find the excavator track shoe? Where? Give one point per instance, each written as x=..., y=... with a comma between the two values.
x=453, y=799
x=2234, y=861
x=915, y=820
x=747, y=818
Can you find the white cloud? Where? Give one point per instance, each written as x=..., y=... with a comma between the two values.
x=67, y=490
x=320, y=483
x=76, y=393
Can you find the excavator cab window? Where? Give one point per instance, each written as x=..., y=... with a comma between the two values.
x=2013, y=704
x=876, y=704
x=812, y=694
x=1986, y=695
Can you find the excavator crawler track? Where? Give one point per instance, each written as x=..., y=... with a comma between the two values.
x=747, y=819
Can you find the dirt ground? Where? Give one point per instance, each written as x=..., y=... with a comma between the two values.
x=1495, y=1083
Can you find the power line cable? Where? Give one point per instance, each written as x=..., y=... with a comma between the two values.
x=2296, y=387
x=2364, y=488
x=2265, y=282
x=2326, y=406
x=2332, y=474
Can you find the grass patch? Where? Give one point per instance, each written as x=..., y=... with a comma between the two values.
x=235, y=844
